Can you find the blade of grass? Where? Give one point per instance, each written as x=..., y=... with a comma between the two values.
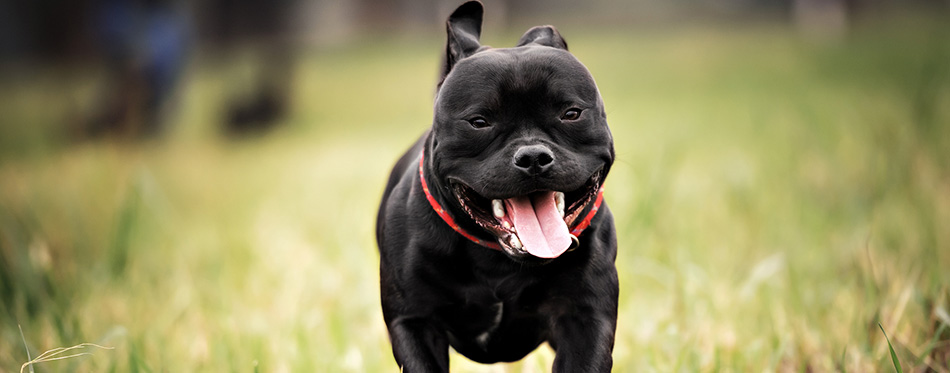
x=897, y=363
x=49, y=355
x=28, y=357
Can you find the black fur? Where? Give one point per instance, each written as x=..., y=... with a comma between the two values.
x=440, y=289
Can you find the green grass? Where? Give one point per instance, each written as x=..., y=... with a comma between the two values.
x=894, y=359
x=777, y=199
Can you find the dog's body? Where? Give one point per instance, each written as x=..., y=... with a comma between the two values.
x=481, y=228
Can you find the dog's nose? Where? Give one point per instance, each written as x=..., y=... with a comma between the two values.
x=533, y=159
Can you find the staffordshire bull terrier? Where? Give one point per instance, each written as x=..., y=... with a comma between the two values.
x=492, y=231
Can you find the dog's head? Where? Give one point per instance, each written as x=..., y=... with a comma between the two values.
x=520, y=141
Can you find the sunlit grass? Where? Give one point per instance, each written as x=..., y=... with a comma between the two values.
x=776, y=200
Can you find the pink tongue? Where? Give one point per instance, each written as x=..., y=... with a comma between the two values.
x=540, y=226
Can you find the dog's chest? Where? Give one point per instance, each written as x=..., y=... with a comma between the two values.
x=498, y=309
x=479, y=311
x=476, y=322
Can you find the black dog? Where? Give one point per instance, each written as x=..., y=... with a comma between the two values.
x=491, y=231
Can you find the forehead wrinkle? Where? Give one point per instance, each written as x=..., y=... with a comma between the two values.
x=470, y=87
x=558, y=73
x=527, y=77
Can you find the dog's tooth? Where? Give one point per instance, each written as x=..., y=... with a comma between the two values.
x=498, y=208
x=559, y=199
x=506, y=224
x=514, y=242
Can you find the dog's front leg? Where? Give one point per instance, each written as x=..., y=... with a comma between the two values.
x=584, y=342
x=418, y=346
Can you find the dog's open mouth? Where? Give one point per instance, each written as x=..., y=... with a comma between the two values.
x=538, y=223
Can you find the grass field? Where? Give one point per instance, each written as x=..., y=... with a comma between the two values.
x=777, y=198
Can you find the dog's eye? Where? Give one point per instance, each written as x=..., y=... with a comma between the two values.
x=571, y=114
x=478, y=122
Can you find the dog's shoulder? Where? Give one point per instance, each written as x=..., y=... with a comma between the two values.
x=400, y=176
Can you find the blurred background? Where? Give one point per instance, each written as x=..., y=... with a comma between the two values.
x=194, y=183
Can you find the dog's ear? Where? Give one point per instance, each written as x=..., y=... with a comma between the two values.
x=464, y=27
x=543, y=35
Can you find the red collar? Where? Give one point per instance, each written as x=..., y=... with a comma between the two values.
x=576, y=230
